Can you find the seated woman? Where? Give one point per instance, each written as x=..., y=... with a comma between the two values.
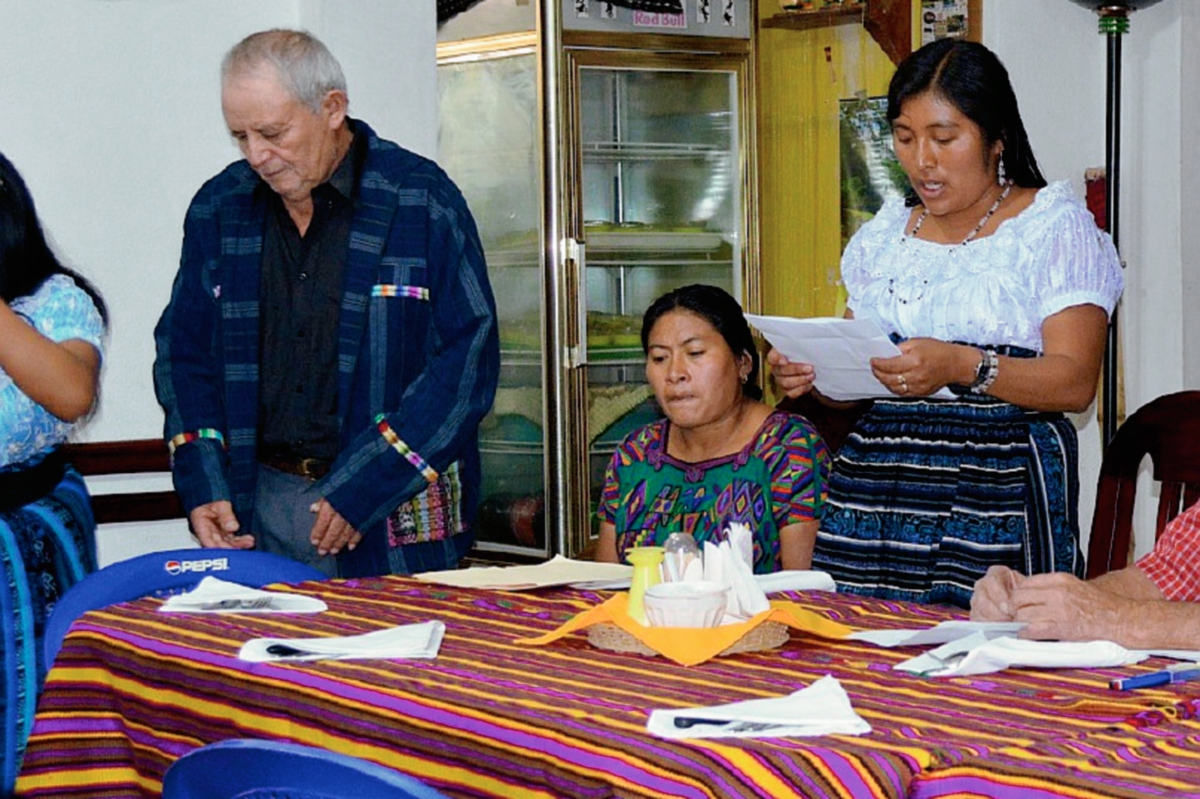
x=51, y=333
x=721, y=455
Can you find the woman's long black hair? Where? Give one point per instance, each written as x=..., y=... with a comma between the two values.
x=720, y=310
x=972, y=79
x=26, y=259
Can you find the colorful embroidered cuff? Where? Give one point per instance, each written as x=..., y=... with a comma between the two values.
x=184, y=438
x=394, y=290
x=389, y=435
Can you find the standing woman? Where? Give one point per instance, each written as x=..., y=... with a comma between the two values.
x=997, y=286
x=52, y=325
x=721, y=455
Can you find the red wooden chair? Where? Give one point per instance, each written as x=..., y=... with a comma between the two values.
x=1167, y=430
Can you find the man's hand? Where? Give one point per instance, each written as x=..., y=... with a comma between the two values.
x=216, y=526
x=330, y=532
x=1062, y=607
x=992, y=599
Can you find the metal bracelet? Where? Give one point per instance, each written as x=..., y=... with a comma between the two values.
x=989, y=368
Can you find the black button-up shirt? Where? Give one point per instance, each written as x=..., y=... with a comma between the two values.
x=301, y=297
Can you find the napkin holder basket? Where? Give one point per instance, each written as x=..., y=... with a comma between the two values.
x=768, y=635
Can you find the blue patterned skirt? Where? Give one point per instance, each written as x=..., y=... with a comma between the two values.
x=926, y=494
x=46, y=547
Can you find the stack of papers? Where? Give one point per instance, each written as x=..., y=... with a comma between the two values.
x=556, y=571
x=840, y=349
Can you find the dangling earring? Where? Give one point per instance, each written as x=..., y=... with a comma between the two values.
x=1001, y=178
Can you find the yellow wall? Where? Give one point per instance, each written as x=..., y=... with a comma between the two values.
x=802, y=75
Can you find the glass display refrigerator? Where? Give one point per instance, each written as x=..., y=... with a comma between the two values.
x=606, y=154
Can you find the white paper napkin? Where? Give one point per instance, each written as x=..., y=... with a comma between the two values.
x=822, y=708
x=1189, y=655
x=943, y=633
x=410, y=641
x=731, y=563
x=976, y=654
x=808, y=580
x=213, y=595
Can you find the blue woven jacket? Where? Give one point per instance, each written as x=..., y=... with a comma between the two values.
x=418, y=349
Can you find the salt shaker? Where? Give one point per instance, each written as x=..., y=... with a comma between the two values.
x=679, y=550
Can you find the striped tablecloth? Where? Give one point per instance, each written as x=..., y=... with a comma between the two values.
x=133, y=689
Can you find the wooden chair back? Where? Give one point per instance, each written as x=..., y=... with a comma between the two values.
x=144, y=456
x=1167, y=430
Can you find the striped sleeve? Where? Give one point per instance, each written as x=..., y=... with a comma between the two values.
x=799, y=462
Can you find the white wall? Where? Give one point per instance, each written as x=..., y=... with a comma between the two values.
x=1058, y=60
x=112, y=114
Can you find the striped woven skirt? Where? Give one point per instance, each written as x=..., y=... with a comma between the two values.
x=46, y=547
x=926, y=494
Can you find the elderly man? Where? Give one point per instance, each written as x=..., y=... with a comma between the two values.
x=1149, y=605
x=330, y=344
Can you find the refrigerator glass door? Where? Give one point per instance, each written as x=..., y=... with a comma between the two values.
x=488, y=145
x=661, y=207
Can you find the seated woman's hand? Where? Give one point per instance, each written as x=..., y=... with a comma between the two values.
x=794, y=379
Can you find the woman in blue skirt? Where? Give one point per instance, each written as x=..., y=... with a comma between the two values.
x=997, y=287
x=52, y=325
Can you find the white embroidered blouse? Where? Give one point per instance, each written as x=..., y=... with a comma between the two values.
x=993, y=290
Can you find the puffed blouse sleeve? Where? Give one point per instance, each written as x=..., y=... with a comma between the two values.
x=60, y=311
x=1081, y=265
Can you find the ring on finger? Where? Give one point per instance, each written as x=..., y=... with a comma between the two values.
x=903, y=385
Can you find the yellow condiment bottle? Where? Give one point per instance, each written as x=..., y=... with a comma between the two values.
x=646, y=562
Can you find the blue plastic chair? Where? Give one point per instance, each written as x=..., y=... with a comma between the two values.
x=162, y=574
x=252, y=769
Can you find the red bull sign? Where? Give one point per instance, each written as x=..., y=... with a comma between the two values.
x=648, y=19
x=197, y=566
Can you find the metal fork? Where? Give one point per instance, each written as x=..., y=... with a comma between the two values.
x=726, y=726
x=238, y=604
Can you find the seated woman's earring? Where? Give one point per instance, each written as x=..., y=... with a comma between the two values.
x=1001, y=178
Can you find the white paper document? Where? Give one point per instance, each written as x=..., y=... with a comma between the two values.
x=840, y=349
x=556, y=571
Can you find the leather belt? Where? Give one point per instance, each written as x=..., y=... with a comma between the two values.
x=311, y=468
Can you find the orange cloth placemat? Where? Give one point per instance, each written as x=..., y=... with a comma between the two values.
x=688, y=646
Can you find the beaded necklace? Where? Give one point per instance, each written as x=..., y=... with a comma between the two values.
x=924, y=213
x=921, y=220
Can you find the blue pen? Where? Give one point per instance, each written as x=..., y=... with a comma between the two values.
x=1141, y=681
x=1179, y=673
x=1190, y=672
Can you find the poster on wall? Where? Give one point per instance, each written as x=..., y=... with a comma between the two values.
x=871, y=173
x=941, y=19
